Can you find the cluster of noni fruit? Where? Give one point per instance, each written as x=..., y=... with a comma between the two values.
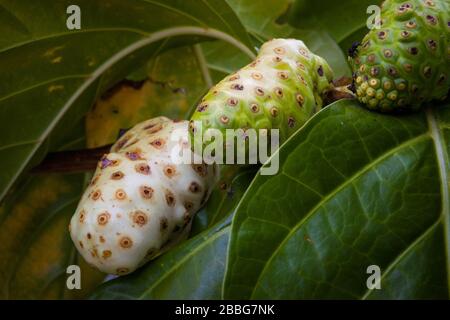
x=141, y=202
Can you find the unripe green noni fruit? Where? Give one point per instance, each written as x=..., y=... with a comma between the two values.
x=406, y=63
x=140, y=201
x=281, y=89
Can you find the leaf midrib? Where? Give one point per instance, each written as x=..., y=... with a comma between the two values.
x=340, y=187
x=442, y=159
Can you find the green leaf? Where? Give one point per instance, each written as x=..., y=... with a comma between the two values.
x=339, y=18
x=35, y=246
x=60, y=72
x=355, y=189
x=269, y=20
x=233, y=183
x=194, y=269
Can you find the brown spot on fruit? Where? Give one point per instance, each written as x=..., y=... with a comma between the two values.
x=126, y=242
x=153, y=128
x=106, y=254
x=254, y=107
x=82, y=216
x=134, y=155
x=120, y=194
x=273, y=111
x=224, y=119
x=411, y=24
x=202, y=107
x=300, y=99
x=232, y=102
x=279, y=92
x=102, y=239
x=81, y=244
x=170, y=198
x=117, y=175
x=257, y=76
x=122, y=271
x=259, y=91
x=234, y=77
x=89, y=236
x=276, y=59
x=146, y=192
x=237, y=86
x=170, y=171
x=96, y=195
x=200, y=169
x=414, y=51
x=157, y=143
x=188, y=205
x=103, y=218
x=291, y=122
x=140, y=218
x=283, y=75
x=279, y=50
x=142, y=168
x=194, y=187
x=95, y=180
x=164, y=224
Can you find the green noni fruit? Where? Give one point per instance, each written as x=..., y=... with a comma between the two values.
x=406, y=62
x=281, y=89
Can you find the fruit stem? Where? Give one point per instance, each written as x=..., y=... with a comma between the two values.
x=72, y=161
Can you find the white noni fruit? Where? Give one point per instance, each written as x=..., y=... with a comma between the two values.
x=141, y=200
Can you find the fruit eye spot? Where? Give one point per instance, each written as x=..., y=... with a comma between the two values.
x=224, y=119
x=122, y=270
x=259, y=91
x=300, y=99
x=432, y=44
x=142, y=168
x=411, y=24
x=392, y=71
x=146, y=192
x=442, y=79
x=140, y=218
x=126, y=242
x=194, y=187
x=232, y=102
x=188, y=205
x=200, y=169
x=291, y=122
x=382, y=35
x=169, y=171
x=279, y=92
x=427, y=71
x=279, y=50
x=254, y=107
x=170, y=199
x=96, y=195
x=257, y=76
x=274, y=112
x=414, y=51
x=237, y=86
x=106, y=254
x=158, y=143
x=405, y=34
x=320, y=71
x=202, y=107
x=153, y=128
x=301, y=66
x=82, y=215
x=164, y=224
x=388, y=53
x=234, y=77
x=103, y=218
x=431, y=19
x=117, y=175
x=134, y=155
x=276, y=59
x=121, y=194
x=283, y=75
x=303, y=52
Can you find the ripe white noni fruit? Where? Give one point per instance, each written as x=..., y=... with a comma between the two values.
x=141, y=200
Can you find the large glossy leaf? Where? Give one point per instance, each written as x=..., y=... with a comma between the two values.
x=340, y=18
x=268, y=19
x=355, y=189
x=50, y=75
x=194, y=269
x=35, y=247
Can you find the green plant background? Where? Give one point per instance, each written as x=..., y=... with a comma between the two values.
x=355, y=188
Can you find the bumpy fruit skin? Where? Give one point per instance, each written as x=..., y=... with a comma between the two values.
x=281, y=89
x=140, y=201
x=406, y=63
